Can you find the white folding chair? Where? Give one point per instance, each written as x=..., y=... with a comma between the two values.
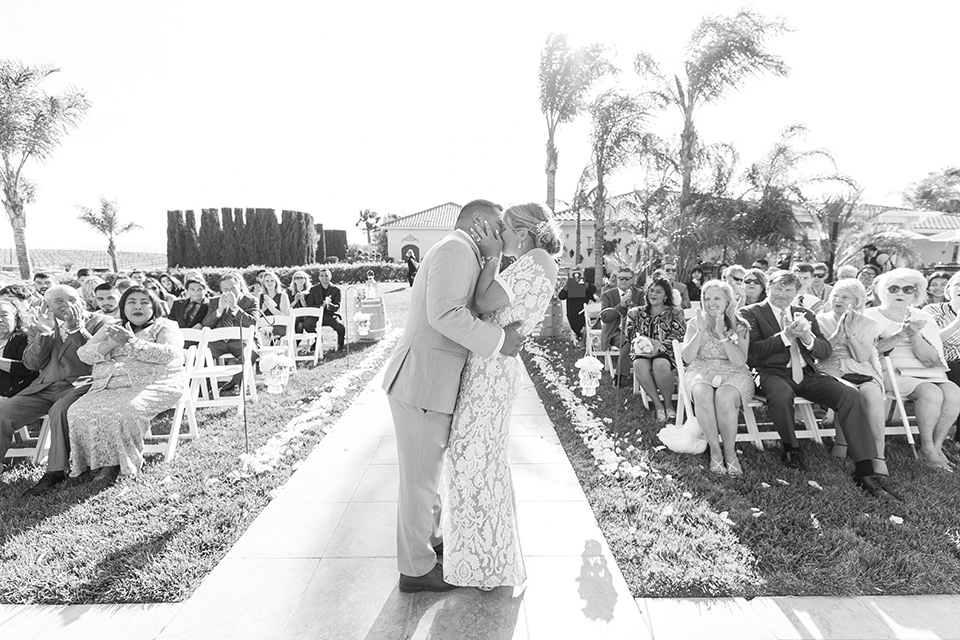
x=37, y=451
x=294, y=338
x=591, y=313
x=265, y=326
x=167, y=444
x=206, y=370
x=896, y=398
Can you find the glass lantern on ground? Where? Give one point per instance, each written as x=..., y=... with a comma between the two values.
x=590, y=370
x=276, y=369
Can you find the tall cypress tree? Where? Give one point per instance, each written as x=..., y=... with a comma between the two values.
x=228, y=251
x=191, y=245
x=174, y=235
x=318, y=248
x=271, y=243
x=256, y=231
x=309, y=235
x=289, y=233
x=242, y=256
x=211, y=238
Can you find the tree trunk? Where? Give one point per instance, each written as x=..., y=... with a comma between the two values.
x=576, y=254
x=599, y=205
x=19, y=223
x=688, y=144
x=112, y=252
x=552, y=158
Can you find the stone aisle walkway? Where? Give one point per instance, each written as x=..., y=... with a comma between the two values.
x=320, y=562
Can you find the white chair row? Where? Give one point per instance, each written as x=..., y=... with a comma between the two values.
x=292, y=339
x=591, y=315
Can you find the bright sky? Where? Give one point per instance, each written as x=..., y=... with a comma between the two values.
x=400, y=106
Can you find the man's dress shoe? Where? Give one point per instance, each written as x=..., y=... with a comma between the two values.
x=872, y=485
x=793, y=459
x=47, y=482
x=432, y=581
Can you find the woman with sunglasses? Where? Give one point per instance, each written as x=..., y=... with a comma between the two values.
x=754, y=286
x=733, y=275
x=913, y=341
x=694, y=284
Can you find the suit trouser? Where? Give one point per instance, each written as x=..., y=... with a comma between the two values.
x=233, y=348
x=23, y=409
x=310, y=326
x=780, y=389
x=422, y=437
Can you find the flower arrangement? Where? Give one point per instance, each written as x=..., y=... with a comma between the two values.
x=590, y=369
x=276, y=369
x=363, y=323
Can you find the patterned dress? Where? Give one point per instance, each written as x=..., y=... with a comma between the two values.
x=481, y=546
x=666, y=326
x=131, y=385
x=712, y=366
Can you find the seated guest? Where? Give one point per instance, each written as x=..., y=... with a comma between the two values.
x=733, y=275
x=577, y=292
x=52, y=350
x=806, y=299
x=88, y=291
x=171, y=285
x=913, y=340
x=785, y=342
x=694, y=284
x=14, y=375
x=137, y=374
x=153, y=286
x=936, y=283
x=273, y=300
x=122, y=284
x=717, y=377
x=819, y=286
x=670, y=268
x=661, y=322
x=948, y=321
x=108, y=300
x=42, y=282
x=234, y=307
x=18, y=292
x=614, y=304
x=138, y=276
x=761, y=263
x=189, y=312
x=299, y=288
x=754, y=286
x=84, y=274
x=846, y=271
x=326, y=296
x=867, y=274
x=855, y=359
x=660, y=274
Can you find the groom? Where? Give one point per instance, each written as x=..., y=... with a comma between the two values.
x=422, y=380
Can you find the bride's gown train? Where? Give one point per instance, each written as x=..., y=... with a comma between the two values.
x=480, y=540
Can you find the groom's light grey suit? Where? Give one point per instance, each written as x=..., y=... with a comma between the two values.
x=422, y=380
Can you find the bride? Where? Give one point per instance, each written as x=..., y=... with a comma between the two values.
x=481, y=544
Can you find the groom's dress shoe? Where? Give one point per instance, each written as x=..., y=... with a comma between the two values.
x=872, y=485
x=432, y=581
x=47, y=482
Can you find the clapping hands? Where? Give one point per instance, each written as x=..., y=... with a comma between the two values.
x=119, y=334
x=228, y=300
x=800, y=328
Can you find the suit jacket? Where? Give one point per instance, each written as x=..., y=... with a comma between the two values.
x=441, y=328
x=613, y=313
x=56, y=359
x=767, y=350
x=245, y=316
x=178, y=313
x=16, y=380
x=684, y=294
x=318, y=294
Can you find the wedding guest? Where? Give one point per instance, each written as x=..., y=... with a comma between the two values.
x=866, y=276
x=660, y=322
x=137, y=374
x=138, y=276
x=761, y=263
x=879, y=259
x=785, y=342
x=936, y=283
x=88, y=291
x=42, y=282
x=947, y=316
x=412, y=266
x=189, y=312
x=84, y=274
x=855, y=360
x=52, y=350
x=806, y=299
x=274, y=301
x=326, y=296
x=14, y=375
x=694, y=284
x=122, y=284
x=754, y=286
x=234, y=307
x=577, y=292
x=819, y=286
x=670, y=268
x=299, y=288
x=18, y=292
x=914, y=339
x=171, y=285
x=154, y=287
x=614, y=304
x=846, y=271
x=733, y=275
x=108, y=300
x=717, y=378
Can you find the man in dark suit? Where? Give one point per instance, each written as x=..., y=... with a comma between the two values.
x=785, y=340
x=189, y=312
x=614, y=304
x=234, y=307
x=52, y=350
x=670, y=268
x=326, y=296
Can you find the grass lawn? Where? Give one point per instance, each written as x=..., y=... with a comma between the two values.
x=682, y=532
x=154, y=538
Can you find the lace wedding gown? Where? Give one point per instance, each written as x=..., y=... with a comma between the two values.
x=480, y=542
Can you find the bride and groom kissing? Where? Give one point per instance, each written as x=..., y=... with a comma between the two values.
x=451, y=384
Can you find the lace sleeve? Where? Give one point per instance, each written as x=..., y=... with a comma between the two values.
x=535, y=292
x=88, y=352
x=163, y=347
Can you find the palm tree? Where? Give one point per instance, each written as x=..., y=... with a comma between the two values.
x=107, y=223
x=566, y=75
x=32, y=125
x=370, y=221
x=617, y=137
x=722, y=53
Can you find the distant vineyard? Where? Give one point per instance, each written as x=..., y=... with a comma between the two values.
x=71, y=260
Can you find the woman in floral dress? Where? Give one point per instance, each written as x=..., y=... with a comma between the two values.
x=481, y=543
x=137, y=374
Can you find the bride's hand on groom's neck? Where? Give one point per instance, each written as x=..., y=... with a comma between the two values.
x=488, y=240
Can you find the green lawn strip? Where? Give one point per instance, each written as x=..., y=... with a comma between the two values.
x=806, y=541
x=153, y=539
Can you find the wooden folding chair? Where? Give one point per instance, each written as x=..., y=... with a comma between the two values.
x=186, y=405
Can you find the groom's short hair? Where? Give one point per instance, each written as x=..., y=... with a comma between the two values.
x=476, y=206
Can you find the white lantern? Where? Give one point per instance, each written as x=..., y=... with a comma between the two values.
x=590, y=370
x=276, y=371
x=363, y=323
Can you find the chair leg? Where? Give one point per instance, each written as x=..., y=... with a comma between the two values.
x=810, y=420
x=750, y=419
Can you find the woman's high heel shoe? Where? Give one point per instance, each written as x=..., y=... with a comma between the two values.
x=716, y=466
x=734, y=469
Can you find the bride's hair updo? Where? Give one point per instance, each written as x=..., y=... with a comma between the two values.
x=538, y=221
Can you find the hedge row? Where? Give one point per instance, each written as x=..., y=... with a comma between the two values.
x=341, y=273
